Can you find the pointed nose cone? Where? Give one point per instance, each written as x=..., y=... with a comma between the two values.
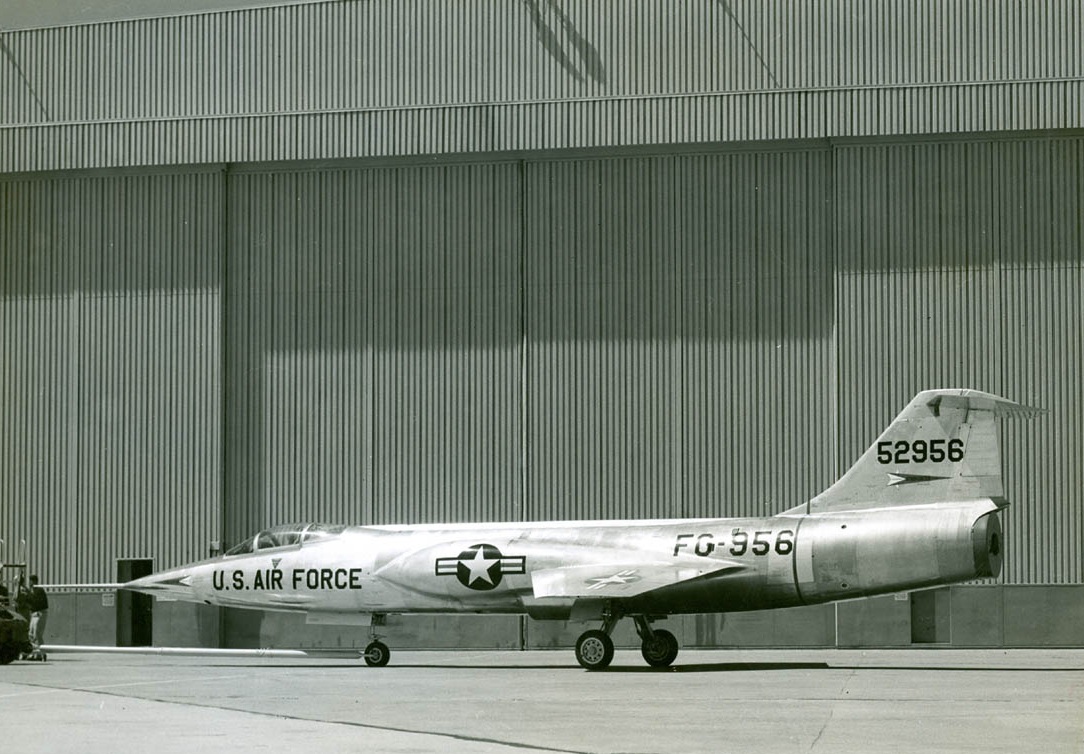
x=170, y=585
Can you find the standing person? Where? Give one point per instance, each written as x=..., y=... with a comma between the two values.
x=39, y=612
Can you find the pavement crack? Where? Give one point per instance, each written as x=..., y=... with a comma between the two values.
x=832, y=710
x=824, y=727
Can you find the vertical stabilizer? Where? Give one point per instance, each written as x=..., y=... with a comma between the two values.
x=942, y=447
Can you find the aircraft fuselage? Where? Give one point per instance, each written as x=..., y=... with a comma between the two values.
x=659, y=567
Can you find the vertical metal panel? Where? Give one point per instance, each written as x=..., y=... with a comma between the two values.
x=111, y=351
x=375, y=374
x=1042, y=191
x=959, y=265
x=445, y=250
x=758, y=332
x=677, y=335
x=1043, y=313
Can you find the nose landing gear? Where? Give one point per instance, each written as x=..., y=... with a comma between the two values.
x=377, y=653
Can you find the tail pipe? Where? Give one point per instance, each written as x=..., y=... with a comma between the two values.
x=987, y=542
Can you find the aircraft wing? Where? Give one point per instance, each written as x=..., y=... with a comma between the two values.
x=622, y=580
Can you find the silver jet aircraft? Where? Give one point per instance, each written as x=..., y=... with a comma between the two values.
x=918, y=509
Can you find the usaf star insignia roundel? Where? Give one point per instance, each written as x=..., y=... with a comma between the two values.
x=481, y=566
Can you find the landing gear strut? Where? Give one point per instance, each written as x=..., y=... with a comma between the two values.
x=377, y=653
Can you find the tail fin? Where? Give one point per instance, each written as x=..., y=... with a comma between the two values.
x=942, y=447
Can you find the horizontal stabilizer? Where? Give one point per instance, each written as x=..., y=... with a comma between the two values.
x=622, y=579
x=975, y=400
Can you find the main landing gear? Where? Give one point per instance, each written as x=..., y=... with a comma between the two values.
x=595, y=648
x=377, y=653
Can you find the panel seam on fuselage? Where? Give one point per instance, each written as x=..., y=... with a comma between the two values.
x=794, y=560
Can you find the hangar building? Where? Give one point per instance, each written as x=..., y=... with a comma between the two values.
x=403, y=261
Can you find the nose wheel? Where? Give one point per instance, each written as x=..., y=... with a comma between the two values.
x=377, y=654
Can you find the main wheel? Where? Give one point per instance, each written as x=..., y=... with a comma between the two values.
x=377, y=654
x=661, y=649
x=594, y=650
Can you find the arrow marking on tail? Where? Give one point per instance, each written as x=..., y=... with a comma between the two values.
x=896, y=478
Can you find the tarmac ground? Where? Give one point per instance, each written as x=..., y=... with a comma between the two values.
x=718, y=701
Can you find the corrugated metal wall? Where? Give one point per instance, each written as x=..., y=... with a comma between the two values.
x=384, y=54
x=110, y=369
x=384, y=77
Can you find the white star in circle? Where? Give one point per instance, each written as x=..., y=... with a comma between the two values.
x=624, y=577
x=479, y=567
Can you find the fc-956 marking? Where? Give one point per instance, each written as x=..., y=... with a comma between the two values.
x=920, y=451
x=705, y=544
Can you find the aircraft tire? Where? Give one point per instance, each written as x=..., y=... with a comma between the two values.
x=8, y=654
x=661, y=650
x=594, y=650
x=377, y=654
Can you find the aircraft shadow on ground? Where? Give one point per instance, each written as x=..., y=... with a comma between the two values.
x=720, y=667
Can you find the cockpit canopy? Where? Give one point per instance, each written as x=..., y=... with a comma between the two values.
x=285, y=535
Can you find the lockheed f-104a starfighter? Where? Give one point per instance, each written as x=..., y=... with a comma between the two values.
x=918, y=509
